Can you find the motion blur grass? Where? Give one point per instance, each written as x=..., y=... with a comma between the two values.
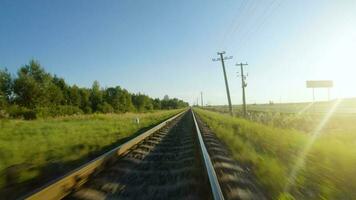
x=33, y=151
x=271, y=153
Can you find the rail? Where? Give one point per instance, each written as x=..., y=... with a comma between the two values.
x=214, y=183
x=62, y=186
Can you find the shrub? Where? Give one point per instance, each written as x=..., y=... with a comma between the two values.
x=105, y=108
x=29, y=114
x=16, y=111
x=55, y=111
x=87, y=110
x=3, y=114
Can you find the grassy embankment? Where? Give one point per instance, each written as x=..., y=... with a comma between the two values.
x=43, y=148
x=329, y=171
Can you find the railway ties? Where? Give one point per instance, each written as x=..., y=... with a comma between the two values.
x=166, y=165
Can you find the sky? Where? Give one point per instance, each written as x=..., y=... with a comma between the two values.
x=161, y=47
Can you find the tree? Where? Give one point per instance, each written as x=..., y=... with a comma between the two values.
x=85, y=103
x=125, y=100
x=74, y=96
x=142, y=102
x=37, y=91
x=105, y=108
x=34, y=87
x=6, y=87
x=165, y=104
x=156, y=104
x=111, y=96
x=173, y=104
x=35, y=70
x=27, y=90
x=96, y=96
x=53, y=95
x=61, y=84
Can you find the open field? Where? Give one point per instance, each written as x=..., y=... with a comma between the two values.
x=346, y=106
x=301, y=116
x=323, y=161
x=33, y=152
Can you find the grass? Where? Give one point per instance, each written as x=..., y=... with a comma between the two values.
x=346, y=106
x=301, y=116
x=270, y=152
x=34, y=151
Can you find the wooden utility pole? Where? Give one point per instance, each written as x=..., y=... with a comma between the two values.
x=244, y=85
x=222, y=58
x=201, y=98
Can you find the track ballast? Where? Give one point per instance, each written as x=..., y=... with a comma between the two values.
x=167, y=165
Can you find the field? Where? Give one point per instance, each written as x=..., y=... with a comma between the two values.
x=346, y=106
x=314, y=162
x=33, y=152
x=300, y=116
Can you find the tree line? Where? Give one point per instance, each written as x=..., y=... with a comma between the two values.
x=33, y=93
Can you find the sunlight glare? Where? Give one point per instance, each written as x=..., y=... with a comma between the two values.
x=301, y=158
x=305, y=108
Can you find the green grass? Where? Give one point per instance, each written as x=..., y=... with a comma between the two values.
x=295, y=116
x=346, y=106
x=271, y=153
x=41, y=149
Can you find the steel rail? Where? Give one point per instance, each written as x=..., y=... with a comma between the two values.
x=62, y=186
x=214, y=183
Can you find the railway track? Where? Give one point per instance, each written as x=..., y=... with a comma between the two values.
x=170, y=161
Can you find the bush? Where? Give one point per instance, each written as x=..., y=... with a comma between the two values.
x=68, y=110
x=29, y=114
x=16, y=111
x=105, y=108
x=3, y=114
x=55, y=111
x=87, y=110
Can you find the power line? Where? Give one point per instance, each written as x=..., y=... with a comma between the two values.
x=249, y=11
x=245, y=24
x=260, y=22
x=233, y=22
x=222, y=58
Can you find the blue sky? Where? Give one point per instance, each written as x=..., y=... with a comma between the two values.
x=166, y=47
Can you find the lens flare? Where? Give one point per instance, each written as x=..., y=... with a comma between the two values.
x=305, y=108
x=301, y=158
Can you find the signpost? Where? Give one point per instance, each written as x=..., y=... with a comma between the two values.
x=320, y=84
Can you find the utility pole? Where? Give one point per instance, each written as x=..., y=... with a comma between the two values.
x=244, y=85
x=222, y=58
x=201, y=98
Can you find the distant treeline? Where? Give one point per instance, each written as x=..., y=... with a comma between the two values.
x=35, y=93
